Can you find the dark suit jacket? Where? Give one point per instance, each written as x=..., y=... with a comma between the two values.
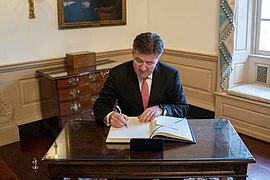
x=123, y=85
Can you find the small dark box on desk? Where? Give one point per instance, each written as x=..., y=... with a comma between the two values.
x=80, y=59
x=146, y=144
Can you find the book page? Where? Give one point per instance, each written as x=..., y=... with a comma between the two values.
x=177, y=128
x=134, y=129
x=170, y=128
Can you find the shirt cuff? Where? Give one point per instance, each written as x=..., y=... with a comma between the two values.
x=107, y=120
x=165, y=112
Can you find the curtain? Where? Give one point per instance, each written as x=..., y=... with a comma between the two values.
x=226, y=39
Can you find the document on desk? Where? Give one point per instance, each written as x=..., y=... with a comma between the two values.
x=165, y=127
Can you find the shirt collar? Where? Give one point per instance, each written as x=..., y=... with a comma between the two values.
x=149, y=77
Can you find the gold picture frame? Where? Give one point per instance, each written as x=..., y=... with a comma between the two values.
x=90, y=13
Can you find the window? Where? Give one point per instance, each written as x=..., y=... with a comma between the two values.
x=251, y=55
x=262, y=31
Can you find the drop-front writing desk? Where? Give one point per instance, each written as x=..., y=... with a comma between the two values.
x=80, y=151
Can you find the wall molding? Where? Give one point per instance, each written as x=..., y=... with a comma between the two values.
x=198, y=73
x=113, y=54
x=32, y=65
x=191, y=55
x=101, y=58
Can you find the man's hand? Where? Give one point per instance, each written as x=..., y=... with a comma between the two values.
x=150, y=113
x=118, y=120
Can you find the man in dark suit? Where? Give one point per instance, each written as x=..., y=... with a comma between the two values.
x=124, y=86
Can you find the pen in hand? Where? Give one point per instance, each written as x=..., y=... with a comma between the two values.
x=120, y=112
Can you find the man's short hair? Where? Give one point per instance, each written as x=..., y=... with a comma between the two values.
x=148, y=43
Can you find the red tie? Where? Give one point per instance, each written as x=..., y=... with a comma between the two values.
x=145, y=93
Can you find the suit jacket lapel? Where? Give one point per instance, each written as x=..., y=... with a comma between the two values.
x=155, y=85
x=134, y=90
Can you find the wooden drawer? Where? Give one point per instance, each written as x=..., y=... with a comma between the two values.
x=98, y=76
x=82, y=80
x=79, y=92
x=81, y=105
x=96, y=87
x=73, y=93
x=72, y=82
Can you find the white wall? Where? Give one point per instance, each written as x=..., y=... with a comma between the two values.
x=24, y=39
x=184, y=25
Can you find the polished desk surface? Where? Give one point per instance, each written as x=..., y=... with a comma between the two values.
x=217, y=140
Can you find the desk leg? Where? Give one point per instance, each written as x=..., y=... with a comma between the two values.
x=241, y=171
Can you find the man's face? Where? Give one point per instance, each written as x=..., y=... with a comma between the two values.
x=144, y=64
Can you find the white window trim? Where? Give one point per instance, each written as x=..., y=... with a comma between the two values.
x=257, y=18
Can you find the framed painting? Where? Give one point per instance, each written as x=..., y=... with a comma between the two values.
x=90, y=13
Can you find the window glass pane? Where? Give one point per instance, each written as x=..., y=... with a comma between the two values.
x=264, y=36
x=265, y=9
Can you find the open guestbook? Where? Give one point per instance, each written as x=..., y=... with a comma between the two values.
x=165, y=127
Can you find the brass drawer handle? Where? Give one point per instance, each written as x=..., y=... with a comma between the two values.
x=104, y=74
x=75, y=107
x=95, y=86
x=73, y=81
x=93, y=76
x=74, y=92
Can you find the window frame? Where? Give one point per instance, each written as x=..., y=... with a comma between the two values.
x=257, y=22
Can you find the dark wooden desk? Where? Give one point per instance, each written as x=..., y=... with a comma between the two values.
x=80, y=151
